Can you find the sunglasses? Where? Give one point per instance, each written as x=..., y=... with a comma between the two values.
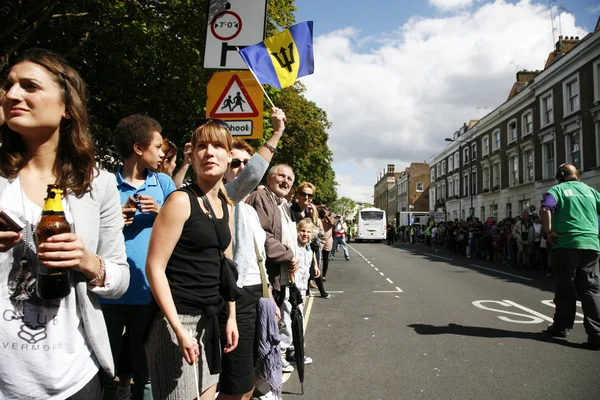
x=307, y=195
x=236, y=162
x=204, y=121
x=172, y=149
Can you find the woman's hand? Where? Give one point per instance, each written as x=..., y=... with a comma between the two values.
x=128, y=213
x=148, y=205
x=187, y=153
x=317, y=272
x=189, y=346
x=67, y=250
x=232, y=335
x=8, y=239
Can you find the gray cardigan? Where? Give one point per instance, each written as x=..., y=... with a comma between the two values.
x=98, y=220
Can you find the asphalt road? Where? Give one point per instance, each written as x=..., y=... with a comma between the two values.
x=408, y=322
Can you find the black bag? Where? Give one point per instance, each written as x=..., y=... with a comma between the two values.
x=228, y=287
x=524, y=236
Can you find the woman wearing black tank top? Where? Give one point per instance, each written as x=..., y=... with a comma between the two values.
x=183, y=267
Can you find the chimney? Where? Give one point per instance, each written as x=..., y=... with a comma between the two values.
x=566, y=44
x=390, y=169
x=525, y=76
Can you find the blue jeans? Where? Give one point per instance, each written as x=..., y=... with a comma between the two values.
x=137, y=320
x=342, y=242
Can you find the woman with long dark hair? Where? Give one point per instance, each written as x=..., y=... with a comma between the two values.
x=57, y=347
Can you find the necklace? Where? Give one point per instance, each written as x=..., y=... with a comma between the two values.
x=21, y=285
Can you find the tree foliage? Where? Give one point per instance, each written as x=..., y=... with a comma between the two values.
x=146, y=57
x=343, y=206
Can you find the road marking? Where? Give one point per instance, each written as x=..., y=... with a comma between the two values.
x=387, y=291
x=381, y=273
x=389, y=280
x=376, y=269
x=435, y=255
x=501, y=272
x=307, y=314
x=551, y=304
x=531, y=319
x=398, y=289
x=529, y=310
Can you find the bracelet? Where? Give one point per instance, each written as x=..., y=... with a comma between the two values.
x=100, y=276
x=273, y=149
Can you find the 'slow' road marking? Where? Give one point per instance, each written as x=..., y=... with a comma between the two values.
x=529, y=310
x=501, y=272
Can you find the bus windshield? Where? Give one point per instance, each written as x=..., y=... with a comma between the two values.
x=371, y=215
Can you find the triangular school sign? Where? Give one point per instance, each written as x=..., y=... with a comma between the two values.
x=234, y=101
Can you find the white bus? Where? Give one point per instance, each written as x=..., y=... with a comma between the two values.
x=371, y=224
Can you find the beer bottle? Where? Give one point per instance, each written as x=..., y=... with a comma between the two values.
x=52, y=283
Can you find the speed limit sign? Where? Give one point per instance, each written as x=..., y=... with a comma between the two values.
x=232, y=24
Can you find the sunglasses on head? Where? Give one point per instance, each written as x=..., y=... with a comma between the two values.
x=236, y=162
x=171, y=150
x=307, y=195
x=204, y=121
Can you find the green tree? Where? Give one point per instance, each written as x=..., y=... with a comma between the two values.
x=343, y=206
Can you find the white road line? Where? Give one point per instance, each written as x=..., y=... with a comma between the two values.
x=376, y=269
x=389, y=280
x=551, y=304
x=435, y=255
x=386, y=291
x=501, y=272
x=381, y=273
x=529, y=310
x=400, y=290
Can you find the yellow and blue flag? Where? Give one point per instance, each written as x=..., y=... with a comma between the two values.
x=281, y=59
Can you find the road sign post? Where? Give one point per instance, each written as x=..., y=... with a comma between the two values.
x=237, y=98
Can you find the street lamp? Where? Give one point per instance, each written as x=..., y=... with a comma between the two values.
x=470, y=186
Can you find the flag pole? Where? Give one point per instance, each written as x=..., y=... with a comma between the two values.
x=259, y=84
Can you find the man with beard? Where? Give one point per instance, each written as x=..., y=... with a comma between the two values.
x=276, y=219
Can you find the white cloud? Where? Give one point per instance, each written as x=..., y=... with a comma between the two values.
x=450, y=5
x=393, y=99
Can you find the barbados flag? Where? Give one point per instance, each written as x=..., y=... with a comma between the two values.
x=281, y=59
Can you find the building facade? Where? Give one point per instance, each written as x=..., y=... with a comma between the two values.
x=384, y=182
x=504, y=163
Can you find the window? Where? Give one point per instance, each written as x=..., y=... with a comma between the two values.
x=474, y=182
x=432, y=173
x=486, y=178
x=513, y=165
x=597, y=81
x=420, y=187
x=482, y=217
x=523, y=205
x=457, y=159
x=574, y=156
x=495, y=211
x=496, y=144
x=456, y=186
x=474, y=152
x=450, y=163
x=465, y=185
x=512, y=131
x=528, y=165
x=496, y=175
x=571, y=95
x=450, y=187
x=527, y=123
x=549, y=160
x=486, y=145
x=546, y=116
x=438, y=191
x=444, y=190
x=466, y=156
x=509, y=210
x=444, y=167
x=439, y=170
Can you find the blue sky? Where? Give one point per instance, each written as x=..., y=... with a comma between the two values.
x=397, y=77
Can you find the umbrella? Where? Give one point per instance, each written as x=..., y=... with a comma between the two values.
x=297, y=329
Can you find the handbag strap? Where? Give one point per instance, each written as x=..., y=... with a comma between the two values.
x=211, y=215
x=263, y=278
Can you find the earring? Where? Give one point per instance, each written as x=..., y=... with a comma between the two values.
x=68, y=116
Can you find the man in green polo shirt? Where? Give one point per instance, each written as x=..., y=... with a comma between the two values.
x=570, y=220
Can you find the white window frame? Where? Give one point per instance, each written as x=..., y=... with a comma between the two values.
x=568, y=153
x=466, y=184
x=450, y=163
x=486, y=177
x=596, y=73
x=456, y=186
x=524, y=131
x=439, y=170
x=474, y=152
x=486, y=149
x=444, y=190
x=509, y=137
x=466, y=157
x=545, y=140
x=450, y=187
x=546, y=99
x=432, y=173
x=526, y=178
x=456, y=160
x=443, y=167
x=473, y=182
x=496, y=177
x=571, y=82
x=417, y=187
x=513, y=170
x=495, y=135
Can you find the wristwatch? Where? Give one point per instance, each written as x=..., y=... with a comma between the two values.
x=273, y=149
